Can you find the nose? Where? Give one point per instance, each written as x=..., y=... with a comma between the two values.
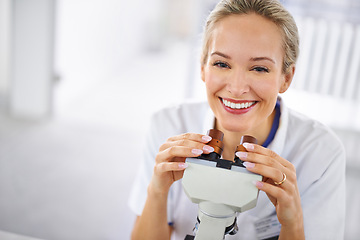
x=237, y=83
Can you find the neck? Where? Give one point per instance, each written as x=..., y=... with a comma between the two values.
x=232, y=139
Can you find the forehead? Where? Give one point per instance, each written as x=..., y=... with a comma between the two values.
x=247, y=35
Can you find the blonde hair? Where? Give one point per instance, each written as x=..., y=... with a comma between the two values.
x=271, y=10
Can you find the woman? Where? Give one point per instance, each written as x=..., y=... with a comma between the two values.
x=249, y=53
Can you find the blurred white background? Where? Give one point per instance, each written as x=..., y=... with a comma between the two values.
x=79, y=80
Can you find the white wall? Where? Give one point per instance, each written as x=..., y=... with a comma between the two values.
x=70, y=177
x=4, y=47
x=97, y=40
x=32, y=58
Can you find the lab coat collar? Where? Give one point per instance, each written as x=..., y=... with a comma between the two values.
x=278, y=143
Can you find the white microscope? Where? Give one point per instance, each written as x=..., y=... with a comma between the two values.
x=221, y=188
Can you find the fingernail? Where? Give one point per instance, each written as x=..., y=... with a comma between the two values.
x=248, y=146
x=258, y=184
x=183, y=165
x=196, y=151
x=208, y=148
x=206, y=138
x=241, y=155
x=249, y=164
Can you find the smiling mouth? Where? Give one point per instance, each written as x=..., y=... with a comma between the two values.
x=236, y=106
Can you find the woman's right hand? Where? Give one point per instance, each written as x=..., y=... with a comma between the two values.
x=170, y=160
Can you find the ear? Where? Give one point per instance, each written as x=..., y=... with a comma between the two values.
x=288, y=77
x=203, y=73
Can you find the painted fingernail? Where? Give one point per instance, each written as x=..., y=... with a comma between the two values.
x=258, y=184
x=196, y=151
x=248, y=146
x=249, y=164
x=206, y=138
x=208, y=148
x=242, y=155
x=183, y=165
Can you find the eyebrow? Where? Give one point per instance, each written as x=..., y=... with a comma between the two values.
x=262, y=59
x=221, y=54
x=255, y=59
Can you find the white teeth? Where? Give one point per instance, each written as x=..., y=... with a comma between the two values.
x=237, y=105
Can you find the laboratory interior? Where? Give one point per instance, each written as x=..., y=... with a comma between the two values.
x=79, y=81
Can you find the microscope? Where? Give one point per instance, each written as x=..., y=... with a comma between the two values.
x=222, y=188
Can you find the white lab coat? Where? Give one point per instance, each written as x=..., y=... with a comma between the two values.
x=311, y=147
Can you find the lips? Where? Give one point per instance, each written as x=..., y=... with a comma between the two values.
x=237, y=106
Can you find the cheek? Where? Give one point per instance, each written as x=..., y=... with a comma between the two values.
x=213, y=82
x=267, y=87
x=210, y=84
x=264, y=88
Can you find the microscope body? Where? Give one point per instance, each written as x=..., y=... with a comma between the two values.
x=221, y=188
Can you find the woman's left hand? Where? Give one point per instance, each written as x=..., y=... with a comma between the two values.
x=279, y=182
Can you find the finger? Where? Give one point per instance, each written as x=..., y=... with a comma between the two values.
x=268, y=172
x=170, y=166
x=187, y=143
x=265, y=151
x=284, y=175
x=192, y=136
x=260, y=159
x=283, y=195
x=274, y=161
x=286, y=201
x=177, y=151
x=273, y=191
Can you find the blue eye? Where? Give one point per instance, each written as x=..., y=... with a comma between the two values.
x=261, y=69
x=221, y=64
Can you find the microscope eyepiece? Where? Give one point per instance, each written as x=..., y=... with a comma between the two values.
x=241, y=148
x=216, y=142
x=217, y=134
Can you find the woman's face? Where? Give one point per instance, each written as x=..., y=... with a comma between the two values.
x=243, y=73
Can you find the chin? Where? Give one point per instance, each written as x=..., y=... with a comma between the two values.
x=231, y=127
